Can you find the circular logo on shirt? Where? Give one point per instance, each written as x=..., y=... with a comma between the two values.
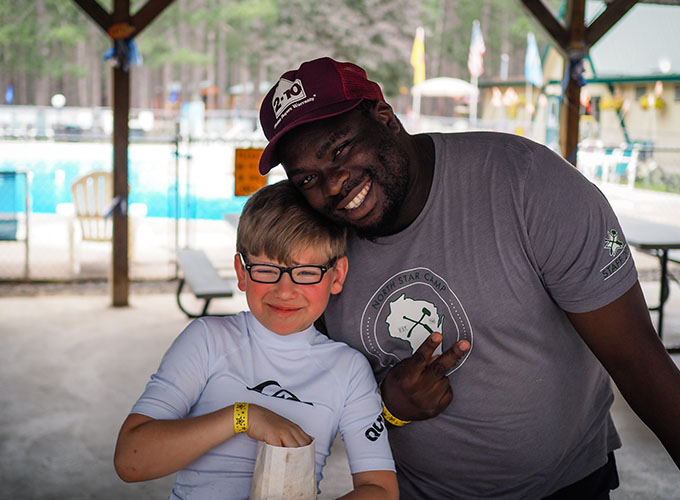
x=406, y=309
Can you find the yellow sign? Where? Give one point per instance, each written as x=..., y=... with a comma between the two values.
x=247, y=177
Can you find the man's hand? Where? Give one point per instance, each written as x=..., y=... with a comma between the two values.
x=417, y=388
x=272, y=428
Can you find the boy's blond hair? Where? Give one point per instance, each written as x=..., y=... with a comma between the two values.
x=277, y=222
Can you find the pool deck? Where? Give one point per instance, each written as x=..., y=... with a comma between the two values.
x=72, y=366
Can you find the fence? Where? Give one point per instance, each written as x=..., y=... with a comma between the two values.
x=183, y=188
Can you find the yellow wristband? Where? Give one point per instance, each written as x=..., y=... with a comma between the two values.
x=388, y=416
x=240, y=417
x=392, y=419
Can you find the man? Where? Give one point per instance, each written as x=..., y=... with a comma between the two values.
x=506, y=250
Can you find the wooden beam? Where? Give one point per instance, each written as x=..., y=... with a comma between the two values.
x=149, y=12
x=96, y=13
x=553, y=27
x=612, y=14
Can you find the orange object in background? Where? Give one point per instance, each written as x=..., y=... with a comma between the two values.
x=247, y=177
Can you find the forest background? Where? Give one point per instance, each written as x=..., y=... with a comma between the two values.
x=203, y=49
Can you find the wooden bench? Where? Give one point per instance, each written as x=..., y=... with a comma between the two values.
x=203, y=279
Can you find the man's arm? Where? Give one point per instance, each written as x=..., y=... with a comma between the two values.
x=149, y=448
x=622, y=337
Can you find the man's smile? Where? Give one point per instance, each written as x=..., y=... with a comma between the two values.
x=359, y=197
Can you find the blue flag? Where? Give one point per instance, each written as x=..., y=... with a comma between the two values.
x=9, y=94
x=533, y=73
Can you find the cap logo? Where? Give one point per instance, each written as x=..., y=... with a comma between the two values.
x=287, y=93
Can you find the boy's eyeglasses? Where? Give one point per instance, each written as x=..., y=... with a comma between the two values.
x=300, y=275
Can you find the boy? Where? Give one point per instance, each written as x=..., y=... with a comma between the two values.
x=265, y=375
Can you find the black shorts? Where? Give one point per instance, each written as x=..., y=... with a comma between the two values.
x=595, y=486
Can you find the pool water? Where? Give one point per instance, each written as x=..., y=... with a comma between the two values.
x=199, y=187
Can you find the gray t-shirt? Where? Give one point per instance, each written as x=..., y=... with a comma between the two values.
x=510, y=238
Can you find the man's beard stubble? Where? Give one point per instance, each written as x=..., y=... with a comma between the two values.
x=392, y=175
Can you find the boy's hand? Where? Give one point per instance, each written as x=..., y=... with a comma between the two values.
x=265, y=425
x=417, y=388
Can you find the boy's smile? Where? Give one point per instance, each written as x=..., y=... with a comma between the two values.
x=285, y=307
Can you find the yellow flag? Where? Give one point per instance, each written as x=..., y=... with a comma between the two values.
x=418, y=56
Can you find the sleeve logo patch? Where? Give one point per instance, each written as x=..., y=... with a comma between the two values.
x=612, y=243
x=617, y=249
x=376, y=429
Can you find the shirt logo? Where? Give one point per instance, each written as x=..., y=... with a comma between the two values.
x=612, y=243
x=265, y=389
x=413, y=321
x=376, y=429
x=409, y=306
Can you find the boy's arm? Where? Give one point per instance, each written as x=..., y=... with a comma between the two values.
x=149, y=448
x=375, y=484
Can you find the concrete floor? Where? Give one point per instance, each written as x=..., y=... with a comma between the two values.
x=72, y=366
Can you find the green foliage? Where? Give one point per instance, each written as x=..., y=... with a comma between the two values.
x=66, y=34
x=259, y=39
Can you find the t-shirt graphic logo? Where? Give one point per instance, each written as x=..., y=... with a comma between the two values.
x=618, y=250
x=281, y=393
x=612, y=243
x=413, y=321
x=286, y=94
x=405, y=310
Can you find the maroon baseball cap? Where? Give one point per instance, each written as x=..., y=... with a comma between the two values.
x=317, y=89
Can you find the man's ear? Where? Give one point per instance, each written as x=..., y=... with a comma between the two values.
x=240, y=273
x=339, y=274
x=383, y=113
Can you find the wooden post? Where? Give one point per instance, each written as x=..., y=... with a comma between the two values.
x=119, y=260
x=120, y=282
x=571, y=102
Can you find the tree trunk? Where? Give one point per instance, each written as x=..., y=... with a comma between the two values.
x=42, y=87
x=221, y=69
x=485, y=21
x=183, y=41
x=166, y=80
x=83, y=94
x=94, y=70
x=211, y=96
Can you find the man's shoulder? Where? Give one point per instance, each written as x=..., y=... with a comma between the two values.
x=485, y=140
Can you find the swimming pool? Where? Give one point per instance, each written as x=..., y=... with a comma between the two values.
x=201, y=187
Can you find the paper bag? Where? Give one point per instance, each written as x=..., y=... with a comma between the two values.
x=284, y=473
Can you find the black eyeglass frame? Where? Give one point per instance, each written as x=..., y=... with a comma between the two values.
x=289, y=270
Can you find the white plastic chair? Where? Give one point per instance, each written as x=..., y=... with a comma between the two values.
x=92, y=198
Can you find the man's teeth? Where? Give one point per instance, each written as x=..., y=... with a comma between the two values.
x=359, y=198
